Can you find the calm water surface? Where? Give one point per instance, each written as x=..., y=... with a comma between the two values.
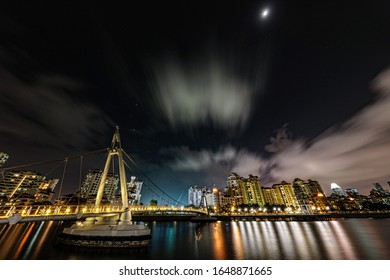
x=350, y=239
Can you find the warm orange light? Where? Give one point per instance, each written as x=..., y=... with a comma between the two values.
x=320, y=195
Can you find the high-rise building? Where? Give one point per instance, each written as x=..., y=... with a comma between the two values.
x=380, y=189
x=253, y=193
x=195, y=195
x=315, y=188
x=134, y=188
x=286, y=195
x=303, y=194
x=91, y=182
x=24, y=187
x=3, y=158
x=336, y=189
x=270, y=196
x=235, y=188
x=245, y=190
x=214, y=198
x=352, y=192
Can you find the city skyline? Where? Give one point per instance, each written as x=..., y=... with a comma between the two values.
x=200, y=91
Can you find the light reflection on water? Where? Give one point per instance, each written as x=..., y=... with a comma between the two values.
x=351, y=239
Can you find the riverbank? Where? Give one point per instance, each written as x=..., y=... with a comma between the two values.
x=270, y=217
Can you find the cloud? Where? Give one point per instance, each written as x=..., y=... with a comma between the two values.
x=186, y=159
x=47, y=111
x=206, y=92
x=355, y=154
x=215, y=164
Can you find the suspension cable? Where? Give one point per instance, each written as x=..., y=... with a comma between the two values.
x=62, y=180
x=51, y=161
x=146, y=185
x=146, y=176
x=81, y=170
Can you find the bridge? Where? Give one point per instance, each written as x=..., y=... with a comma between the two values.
x=13, y=214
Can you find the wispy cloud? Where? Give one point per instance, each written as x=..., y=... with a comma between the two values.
x=207, y=163
x=355, y=154
x=211, y=91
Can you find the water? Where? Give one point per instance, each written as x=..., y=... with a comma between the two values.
x=351, y=239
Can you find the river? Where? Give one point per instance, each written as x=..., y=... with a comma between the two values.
x=352, y=239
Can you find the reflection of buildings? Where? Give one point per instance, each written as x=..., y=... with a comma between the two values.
x=26, y=187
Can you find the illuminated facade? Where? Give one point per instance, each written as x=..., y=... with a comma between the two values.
x=270, y=196
x=253, y=193
x=285, y=195
x=26, y=187
x=235, y=189
x=336, y=189
x=245, y=190
x=91, y=182
x=134, y=188
x=195, y=195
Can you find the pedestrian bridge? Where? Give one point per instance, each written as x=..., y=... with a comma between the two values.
x=13, y=215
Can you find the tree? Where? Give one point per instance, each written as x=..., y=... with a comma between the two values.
x=153, y=202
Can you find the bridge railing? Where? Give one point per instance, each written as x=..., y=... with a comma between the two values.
x=50, y=210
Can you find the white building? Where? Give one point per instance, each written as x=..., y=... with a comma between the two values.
x=134, y=191
x=195, y=195
x=336, y=189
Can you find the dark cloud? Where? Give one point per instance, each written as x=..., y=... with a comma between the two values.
x=48, y=111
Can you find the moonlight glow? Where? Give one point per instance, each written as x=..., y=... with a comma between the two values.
x=264, y=13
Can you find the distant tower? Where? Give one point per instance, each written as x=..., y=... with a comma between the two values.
x=380, y=189
x=336, y=189
x=352, y=192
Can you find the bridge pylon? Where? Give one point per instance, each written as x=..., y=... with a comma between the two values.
x=116, y=149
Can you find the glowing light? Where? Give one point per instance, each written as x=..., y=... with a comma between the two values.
x=334, y=186
x=264, y=13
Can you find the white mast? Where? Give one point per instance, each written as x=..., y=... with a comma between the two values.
x=116, y=149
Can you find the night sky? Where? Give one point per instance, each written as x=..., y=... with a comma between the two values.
x=201, y=89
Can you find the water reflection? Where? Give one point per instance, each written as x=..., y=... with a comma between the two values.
x=351, y=239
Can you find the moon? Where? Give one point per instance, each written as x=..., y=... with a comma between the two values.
x=264, y=13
